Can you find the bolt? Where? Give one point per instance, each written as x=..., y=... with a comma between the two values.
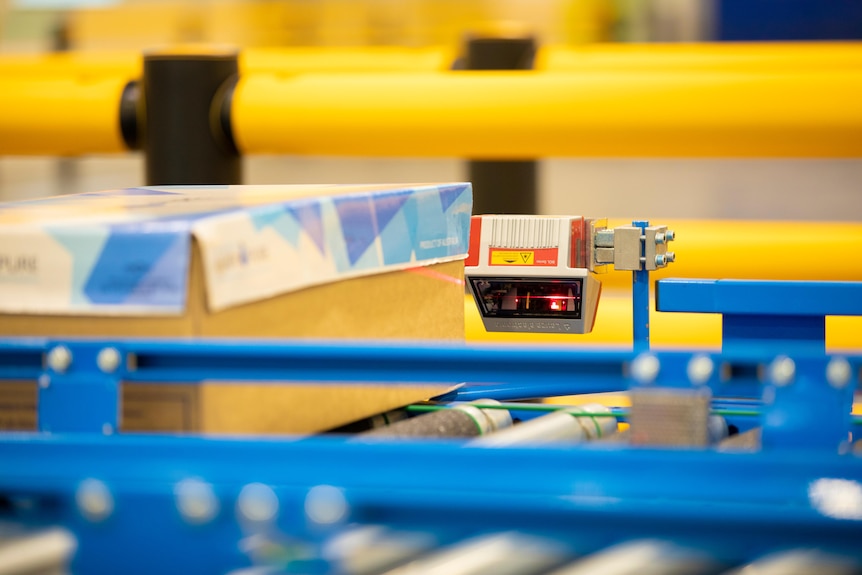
x=670, y=257
x=196, y=501
x=108, y=360
x=60, y=358
x=700, y=369
x=669, y=235
x=645, y=368
x=838, y=372
x=325, y=505
x=257, y=502
x=659, y=238
x=660, y=260
x=782, y=371
x=94, y=500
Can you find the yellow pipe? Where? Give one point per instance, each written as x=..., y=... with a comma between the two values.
x=701, y=57
x=508, y=115
x=63, y=116
x=758, y=250
x=759, y=57
x=474, y=114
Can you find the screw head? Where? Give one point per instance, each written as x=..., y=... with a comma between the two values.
x=670, y=257
x=660, y=260
x=669, y=235
x=700, y=369
x=196, y=501
x=59, y=358
x=838, y=372
x=645, y=368
x=659, y=238
x=109, y=359
x=94, y=500
x=782, y=371
x=257, y=502
x=326, y=505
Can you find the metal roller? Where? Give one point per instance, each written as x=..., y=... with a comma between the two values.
x=370, y=549
x=499, y=554
x=40, y=553
x=799, y=562
x=570, y=425
x=462, y=420
x=643, y=557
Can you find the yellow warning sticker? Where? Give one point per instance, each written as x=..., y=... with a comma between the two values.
x=533, y=257
x=512, y=258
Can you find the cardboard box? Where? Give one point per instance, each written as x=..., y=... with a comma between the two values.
x=361, y=262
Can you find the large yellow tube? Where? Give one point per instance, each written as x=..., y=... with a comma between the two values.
x=468, y=114
x=541, y=114
x=761, y=57
x=60, y=117
x=826, y=251
x=702, y=57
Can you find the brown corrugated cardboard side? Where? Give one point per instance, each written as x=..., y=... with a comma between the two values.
x=229, y=407
x=18, y=405
x=408, y=304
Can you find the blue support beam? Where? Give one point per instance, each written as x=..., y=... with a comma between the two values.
x=785, y=315
x=640, y=297
x=76, y=393
x=83, y=396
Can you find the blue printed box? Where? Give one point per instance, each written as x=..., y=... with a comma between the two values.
x=131, y=252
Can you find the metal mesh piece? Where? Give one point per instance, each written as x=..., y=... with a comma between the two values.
x=664, y=417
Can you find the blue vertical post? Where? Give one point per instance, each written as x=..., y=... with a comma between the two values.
x=640, y=298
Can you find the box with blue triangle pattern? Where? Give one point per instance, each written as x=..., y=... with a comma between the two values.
x=193, y=259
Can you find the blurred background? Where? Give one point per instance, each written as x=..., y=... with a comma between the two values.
x=727, y=188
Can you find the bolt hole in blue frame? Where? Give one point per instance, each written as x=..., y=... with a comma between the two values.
x=118, y=493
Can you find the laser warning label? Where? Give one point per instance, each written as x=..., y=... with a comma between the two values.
x=535, y=257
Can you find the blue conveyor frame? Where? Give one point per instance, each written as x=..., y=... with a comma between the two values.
x=802, y=489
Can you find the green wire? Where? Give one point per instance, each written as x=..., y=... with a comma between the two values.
x=736, y=412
